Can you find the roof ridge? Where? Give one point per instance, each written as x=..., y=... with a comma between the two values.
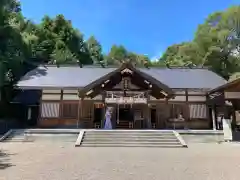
x=177, y=67
x=114, y=66
x=73, y=65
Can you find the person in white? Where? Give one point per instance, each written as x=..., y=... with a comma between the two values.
x=219, y=122
x=108, y=116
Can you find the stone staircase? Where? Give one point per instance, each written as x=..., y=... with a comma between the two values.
x=16, y=136
x=129, y=138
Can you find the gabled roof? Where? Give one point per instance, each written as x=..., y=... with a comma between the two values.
x=225, y=86
x=158, y=89
x=75, y=77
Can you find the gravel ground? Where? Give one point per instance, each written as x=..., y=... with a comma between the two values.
x=62, y=161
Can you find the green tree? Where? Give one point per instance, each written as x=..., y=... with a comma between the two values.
x=94, y=50
x=11, y=45
x=216, y=44
x=183, y=54
x=60, y=43
x=218, y=39
x=117, y=54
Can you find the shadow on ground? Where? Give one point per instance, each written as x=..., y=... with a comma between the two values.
x=5, y=160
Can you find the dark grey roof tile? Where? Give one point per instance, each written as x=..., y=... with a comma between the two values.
x=65, y=77
x=186, y=78
x=73, y=76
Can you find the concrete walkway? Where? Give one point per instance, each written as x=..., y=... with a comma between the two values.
x=59, y=160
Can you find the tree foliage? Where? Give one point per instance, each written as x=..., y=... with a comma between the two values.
x=215, y=44
x=55, y=41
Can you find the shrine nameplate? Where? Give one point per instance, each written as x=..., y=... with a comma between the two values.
x=126, y=100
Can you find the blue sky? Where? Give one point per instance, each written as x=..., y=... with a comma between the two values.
x=143, y=26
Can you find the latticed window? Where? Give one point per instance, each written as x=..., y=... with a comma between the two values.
x=50, y=110
x=70, y=110
x=198, y=111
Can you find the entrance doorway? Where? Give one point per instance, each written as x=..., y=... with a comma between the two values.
x=98, y=115
x=125, y=114
x=124, y=117
x=153, y=117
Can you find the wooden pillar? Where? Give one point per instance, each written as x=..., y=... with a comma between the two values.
x=187, y=119
x=148, y=119
x=159, y=123
x=167, y=108
x=39, y=119
x=234, y=122
x=92, y=114
x=61, y=105
x=213, y=113
x=234, y=119
x=80, y=110
x=29, y=113
x=104, y=94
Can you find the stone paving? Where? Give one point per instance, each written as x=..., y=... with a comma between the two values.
x=43, y=160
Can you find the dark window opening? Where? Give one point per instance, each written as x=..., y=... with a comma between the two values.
x=98, y=114
x=125, y=114
x=153, y=115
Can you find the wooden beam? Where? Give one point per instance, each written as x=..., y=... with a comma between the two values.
x=187, y=105
x=89, y=92
x=61, y=105
x=165, y=94
x=80, y=105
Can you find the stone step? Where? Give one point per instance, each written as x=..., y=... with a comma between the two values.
x=16, y=136
x=18, y=140
x=15, y=139
x=129, y=137
x=119, y=144
x=128, y=140
x=127, y=132
x=124, y=132
x=131, y=145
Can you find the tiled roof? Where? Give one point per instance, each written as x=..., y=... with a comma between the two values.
x=73, y=76
x=186, y=78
